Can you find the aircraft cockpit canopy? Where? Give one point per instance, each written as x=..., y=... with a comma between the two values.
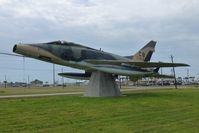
x=61, y=43
x=55, y=42
x=67, y=44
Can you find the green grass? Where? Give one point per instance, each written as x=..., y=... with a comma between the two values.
x=152, y=111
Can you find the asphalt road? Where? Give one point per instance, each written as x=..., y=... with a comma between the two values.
x=66, y=93
x=40, y=95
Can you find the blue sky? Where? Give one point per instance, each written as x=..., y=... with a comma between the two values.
x=120, y=27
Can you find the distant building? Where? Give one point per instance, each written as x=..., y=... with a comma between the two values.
x=36, y=83
x=17, y=84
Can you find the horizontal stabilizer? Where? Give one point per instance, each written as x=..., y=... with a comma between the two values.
x=137, y=64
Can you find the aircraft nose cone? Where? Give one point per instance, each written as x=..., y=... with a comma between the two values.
x=14, y=48
x=26, y=50
x=22, y=49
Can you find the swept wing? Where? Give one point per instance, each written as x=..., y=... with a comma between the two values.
x=137, y=64
x=119, y=70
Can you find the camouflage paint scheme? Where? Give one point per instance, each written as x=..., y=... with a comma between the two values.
x=89, y=59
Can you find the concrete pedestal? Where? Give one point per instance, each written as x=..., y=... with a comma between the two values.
x=102, y=85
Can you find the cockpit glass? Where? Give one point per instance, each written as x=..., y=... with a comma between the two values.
x=70, y=44
x=55, y=42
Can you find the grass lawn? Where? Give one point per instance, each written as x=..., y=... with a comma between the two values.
x=161, y=111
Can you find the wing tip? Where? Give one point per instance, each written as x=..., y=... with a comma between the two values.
x=185, y=65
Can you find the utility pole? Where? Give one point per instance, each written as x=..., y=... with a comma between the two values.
x=53, y=75
x=120, y=79
x=174, y=73
x=5, y=82
x=120, y=82
x=28, y=81
x=24, y=69
x=188, y=75
x=187, y=72
x=62, y=78
x=162, y=78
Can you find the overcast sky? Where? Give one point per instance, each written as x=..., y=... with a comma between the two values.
x=118, y=26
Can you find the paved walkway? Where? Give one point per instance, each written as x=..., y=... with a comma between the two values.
x=40, y=95
x=66, y=93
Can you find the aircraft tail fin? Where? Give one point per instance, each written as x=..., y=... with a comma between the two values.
x=145, y=53
x=156, y=70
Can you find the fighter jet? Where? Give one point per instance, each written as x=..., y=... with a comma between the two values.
x=91, y=60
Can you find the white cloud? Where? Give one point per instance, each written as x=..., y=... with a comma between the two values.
x=3, y=2
x=114, y=18
x=123, y=24
x=110, y=17
x=96, y=12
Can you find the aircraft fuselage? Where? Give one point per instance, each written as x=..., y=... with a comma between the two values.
x=64, y=53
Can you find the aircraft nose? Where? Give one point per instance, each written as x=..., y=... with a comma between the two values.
x=26, y=50
x=15, y=48
x=18, y=48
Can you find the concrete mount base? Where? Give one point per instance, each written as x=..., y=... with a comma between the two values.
x=102, y=85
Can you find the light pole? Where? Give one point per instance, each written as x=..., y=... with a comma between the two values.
x=53, y=75
x=174, y=73
x=5, y=82
x=62, y=78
